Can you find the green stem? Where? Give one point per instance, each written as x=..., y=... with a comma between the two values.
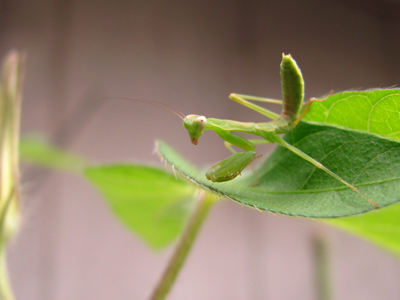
x=322, y=272
x=5, y=287
x=184, y=246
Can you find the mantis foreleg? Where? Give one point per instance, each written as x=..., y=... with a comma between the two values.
x=232, y=166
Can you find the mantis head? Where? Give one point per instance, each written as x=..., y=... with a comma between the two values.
x=195, y=124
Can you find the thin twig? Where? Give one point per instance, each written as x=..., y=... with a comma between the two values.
x=184, y=246
x=322, y=270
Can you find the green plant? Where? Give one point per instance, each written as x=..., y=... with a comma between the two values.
x=10, y=110
x=362, y=149
x=354, y=134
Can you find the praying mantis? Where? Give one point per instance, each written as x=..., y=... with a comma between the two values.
x=293, y=110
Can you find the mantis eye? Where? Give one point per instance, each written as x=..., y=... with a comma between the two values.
x=201, y=122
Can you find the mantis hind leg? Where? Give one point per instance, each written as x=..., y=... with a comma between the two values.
x=283, y=143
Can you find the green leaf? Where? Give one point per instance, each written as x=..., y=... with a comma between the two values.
x=36, y=151
x=377, y=112
x=290, y=185
x=149, y=201
x=373, y=111
x=381, y=227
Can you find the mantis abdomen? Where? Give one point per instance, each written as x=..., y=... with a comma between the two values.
x=292, y=88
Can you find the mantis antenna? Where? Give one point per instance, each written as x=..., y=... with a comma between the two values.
x=161, y=105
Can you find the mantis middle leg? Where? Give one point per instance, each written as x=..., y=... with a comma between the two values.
x=260, y=99
x=255, y=107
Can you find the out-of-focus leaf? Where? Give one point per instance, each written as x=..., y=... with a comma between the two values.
x=37, y=151
x=381, y=227
x=149, y=201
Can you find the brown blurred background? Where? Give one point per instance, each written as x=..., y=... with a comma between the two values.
x=189, y=54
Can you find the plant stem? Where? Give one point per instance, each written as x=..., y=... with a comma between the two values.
x=5, y=288
x=322, y=270
x=184, y=245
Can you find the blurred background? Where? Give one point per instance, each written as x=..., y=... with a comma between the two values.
x=191, y=55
